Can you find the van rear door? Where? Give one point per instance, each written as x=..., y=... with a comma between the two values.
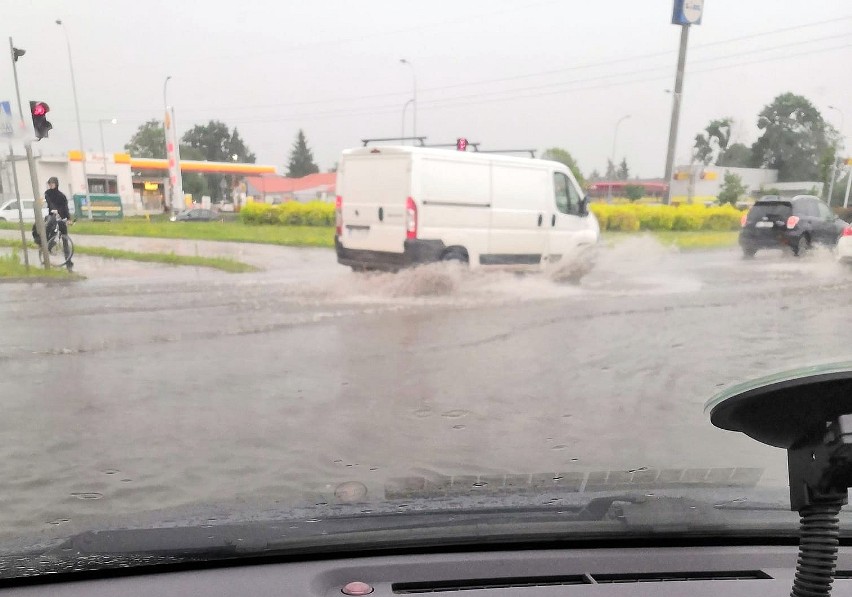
x=374, y=191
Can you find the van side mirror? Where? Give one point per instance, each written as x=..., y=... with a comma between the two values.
x=584, y=206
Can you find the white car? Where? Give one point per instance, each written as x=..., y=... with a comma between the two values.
x=9, y=210
x=844, y=245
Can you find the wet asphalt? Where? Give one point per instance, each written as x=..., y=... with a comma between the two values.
x=147, y=387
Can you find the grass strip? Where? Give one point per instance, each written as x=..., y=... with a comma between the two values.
x=290, y=236
x=221, y=263
x=698, y=240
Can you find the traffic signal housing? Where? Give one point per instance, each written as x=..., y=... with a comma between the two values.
x=41, y=126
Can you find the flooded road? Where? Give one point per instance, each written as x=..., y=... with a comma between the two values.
x=177, y=387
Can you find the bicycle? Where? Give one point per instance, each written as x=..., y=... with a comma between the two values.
x=60, y=247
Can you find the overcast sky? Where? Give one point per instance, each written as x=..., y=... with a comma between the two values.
x=506, y=73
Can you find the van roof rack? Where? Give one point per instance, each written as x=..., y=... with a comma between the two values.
x=420, y=140
x=437, y=145
x=529, y=151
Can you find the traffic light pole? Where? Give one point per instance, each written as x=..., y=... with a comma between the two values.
x=38, y=201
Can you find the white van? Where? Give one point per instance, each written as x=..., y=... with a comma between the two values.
x=403, y=206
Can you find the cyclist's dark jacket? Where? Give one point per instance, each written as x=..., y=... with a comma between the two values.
x=56, y=200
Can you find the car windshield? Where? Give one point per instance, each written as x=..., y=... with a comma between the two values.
x=448, y=260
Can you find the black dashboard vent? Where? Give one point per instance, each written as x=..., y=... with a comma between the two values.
x=681, y=576
x=447, y=586
x=472, y=584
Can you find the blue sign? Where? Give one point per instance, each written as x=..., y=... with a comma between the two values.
x=6, y=129
x=687, y=12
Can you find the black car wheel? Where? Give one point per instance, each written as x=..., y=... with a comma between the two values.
x=749, y=253
x=802, y=246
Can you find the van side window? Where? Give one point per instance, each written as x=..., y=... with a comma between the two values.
x=567, y=199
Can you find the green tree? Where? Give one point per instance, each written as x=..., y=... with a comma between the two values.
x=732, y=189
x=736, y=156
x=217, y=143
x=634, y=192
x=149, y=141
x=795, y=139
x=595, y=175
x=611, y=172
x=712, y=144
x=563, y=156
x=301, y=158
x=623, y=170
x=194, y=183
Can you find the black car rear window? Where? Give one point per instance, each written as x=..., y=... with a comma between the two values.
x=772, y=210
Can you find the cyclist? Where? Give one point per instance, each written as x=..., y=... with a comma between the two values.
x=57, y=204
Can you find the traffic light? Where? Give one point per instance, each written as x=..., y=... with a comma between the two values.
x=41, y=126
x=461, y=144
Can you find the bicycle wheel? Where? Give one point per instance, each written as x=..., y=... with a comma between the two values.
x=60, y=249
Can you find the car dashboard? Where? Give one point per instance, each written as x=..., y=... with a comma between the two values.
x=732, y=571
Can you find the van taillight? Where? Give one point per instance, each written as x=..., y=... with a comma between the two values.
x=792, y=221
x=743, y=220
x=410, y=218
x=338, y=215
x=847, y=231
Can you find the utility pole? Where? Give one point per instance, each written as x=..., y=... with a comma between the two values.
x=79, y=125
x=685, y=13
x=16, y=53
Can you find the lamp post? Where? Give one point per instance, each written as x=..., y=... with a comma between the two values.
x=404, y=108
x=77, y=111
x=414, y=97
x=103, y=152
x=612, y=159
x=834, y=162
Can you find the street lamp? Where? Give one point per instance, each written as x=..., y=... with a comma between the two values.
x=77, y=110
x=612, y=159
x=404, y=108
x=103, y=152
x=834, y=162
x=414, y=98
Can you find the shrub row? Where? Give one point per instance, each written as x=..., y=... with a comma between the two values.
x=630, y=218
x=292, y=213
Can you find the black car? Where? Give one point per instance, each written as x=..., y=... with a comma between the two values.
x=796, y=224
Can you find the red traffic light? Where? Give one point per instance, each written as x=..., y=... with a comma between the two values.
x=41, y=126
x=461, y=144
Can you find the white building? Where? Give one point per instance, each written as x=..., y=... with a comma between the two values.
x=702, y=184
x=110, y=174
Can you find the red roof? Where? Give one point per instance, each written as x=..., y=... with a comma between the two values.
x=272, y=183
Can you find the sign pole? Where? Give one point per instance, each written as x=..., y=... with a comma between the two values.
x=20, y=207
x=684, y=13
x=676, y=101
